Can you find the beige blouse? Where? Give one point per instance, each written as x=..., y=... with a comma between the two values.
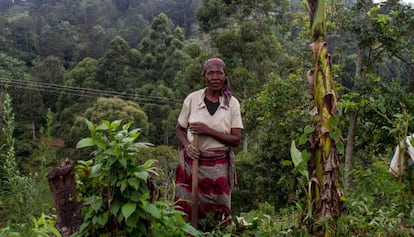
x=223, y=120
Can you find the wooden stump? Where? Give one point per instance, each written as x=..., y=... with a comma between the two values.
x=63, y=186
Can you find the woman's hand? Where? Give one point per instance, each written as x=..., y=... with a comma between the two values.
x=198, y=128
x=192, y=152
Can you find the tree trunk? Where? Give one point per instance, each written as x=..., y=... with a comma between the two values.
x=63, y=186
x=33, y=131
x=245, y=142
x=353, y=121
x=353, y=118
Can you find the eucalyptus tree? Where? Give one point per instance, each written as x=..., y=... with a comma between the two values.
x=161, y=50
x=60, y=41
x=21, y=31
x=71, y=103
x=131, y=26
x=182, y=12
x=49, y=72
x=114, y=67
x=158, y=102
x=99, y=41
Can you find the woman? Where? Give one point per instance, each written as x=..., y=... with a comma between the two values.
x=213, y=115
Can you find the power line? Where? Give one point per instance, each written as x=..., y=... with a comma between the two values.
x=85, y=92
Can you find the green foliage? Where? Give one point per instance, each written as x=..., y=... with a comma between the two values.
x=112, y=109
x=61, y=41
x=117, y=191
x=274, y=119
x=166, y=164
x=374, y=208
x=161, y=128
x=249, y=36
x=43, y=226
x=379, y=114
x=20, y=196
x=257, y=39
x=114, y=66
x=14, y=197
x=162, y=46
x=264, y=221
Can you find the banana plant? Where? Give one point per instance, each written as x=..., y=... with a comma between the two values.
x=325, y=141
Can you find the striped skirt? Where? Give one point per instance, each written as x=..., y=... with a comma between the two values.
x=216, y=177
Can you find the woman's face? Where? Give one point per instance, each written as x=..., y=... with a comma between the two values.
x=215, y=77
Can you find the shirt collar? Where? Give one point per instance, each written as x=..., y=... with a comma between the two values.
x=201, y=103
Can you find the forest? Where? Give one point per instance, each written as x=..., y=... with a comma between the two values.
x=326, y=94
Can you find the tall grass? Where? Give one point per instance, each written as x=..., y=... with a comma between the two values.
x=21, y=197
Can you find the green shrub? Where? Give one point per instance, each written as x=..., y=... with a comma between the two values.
x=117, y=187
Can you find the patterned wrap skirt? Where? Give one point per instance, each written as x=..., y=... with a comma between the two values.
x=216, y=177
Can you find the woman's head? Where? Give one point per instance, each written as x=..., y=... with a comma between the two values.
x=214, y=62
x=215, y=74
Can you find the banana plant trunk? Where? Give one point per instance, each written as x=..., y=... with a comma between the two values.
x=325, y=192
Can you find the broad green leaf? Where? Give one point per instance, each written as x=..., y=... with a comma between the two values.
x=115, y=124
x=303, y=138
x=85, y=142
x=305, y=156
x=96, y=205
x=335, y=135
x=305, y=173
x=101, y=219
x=100, y=143
x=133, y=222
x=286, y=163
x=153, y=210
x=124, y=185
x=333, y=122
x=149, y=163
x=116, y=205
x=128, y=209
x=142, y=175
x=124, y=162
x=189, y=229
x=134, y=134
x=126, y=126
x=90, y=125
x=118, y=151
x=308, y=129
x=340, y=147
x=95, y=170
x=295, y=154
x=103, y=126
x=381, y=108
x=133, y=182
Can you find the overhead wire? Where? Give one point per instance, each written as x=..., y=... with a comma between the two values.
x=86, y=92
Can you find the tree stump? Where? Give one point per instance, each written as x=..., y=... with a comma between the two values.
x=63, y=186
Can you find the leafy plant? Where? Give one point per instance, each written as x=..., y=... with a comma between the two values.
x=44, y=226
x=374, y=208
x=117, y=191
x=14, y=199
